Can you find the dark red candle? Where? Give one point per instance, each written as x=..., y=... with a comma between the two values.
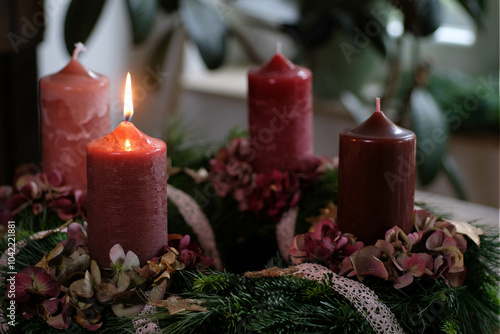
x=376, y=178
x=127, y=193
x=74, y=109
x=280, y=114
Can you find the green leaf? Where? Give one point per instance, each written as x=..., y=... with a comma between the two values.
x=475, y=10
x=206, y=28
x=451, y=169
x=142, y=14
x=169, y=6
x=432, y=134
x=377, y=31
x=421, y=17
x=158, y=55
x=80, y=20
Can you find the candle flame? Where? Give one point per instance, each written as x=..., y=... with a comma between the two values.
x=127, y=145
x=128, y=106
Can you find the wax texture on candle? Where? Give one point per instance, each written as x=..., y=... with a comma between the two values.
x=74, y=109
x=376, y=178
x=127, y=194
x=280, y=115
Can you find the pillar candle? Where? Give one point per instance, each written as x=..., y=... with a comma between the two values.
x=280, y=114
x=74, y=109
x=127, y=192
x=376, y=178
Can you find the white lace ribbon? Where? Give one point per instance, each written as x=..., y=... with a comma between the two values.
x=197, y=220
x=378, y=315
x=285, y=231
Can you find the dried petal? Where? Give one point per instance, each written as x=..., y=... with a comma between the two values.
x=123, y=281
x=42, y=283
x=91, y=323
x=96, y=272
x=131, y=261
x=5, y=192
x=158, y=291
x=461, y=242
x=127, y=310
x=415, y=265
x=449, y=241
x=435, y=240
x=88, y=285
x=168, y=258
x=367, y=262
x=37, y=208
x=53, y=177
x=75, y=231
x=465, y=228
x=346, y=266
x=117, y=254
x=429, y=263
x=184, y=243
x=23, y=283
x=386, y=248
x=424, y=220
x=59, y=321
x=403, y=280
x=176, y=304
x=456, y=279
x=105, y=292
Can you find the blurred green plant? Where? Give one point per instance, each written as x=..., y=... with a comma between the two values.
x=314, y=27
x=200, y=19
x=310, y=23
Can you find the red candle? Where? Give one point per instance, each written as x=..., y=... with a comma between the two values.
x=376, y=178
x=74, y=109
x=127, y=191
x=280, y=114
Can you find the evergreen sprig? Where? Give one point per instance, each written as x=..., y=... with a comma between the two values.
x=237, y=304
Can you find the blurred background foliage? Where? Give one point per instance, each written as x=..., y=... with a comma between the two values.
x=326, y=34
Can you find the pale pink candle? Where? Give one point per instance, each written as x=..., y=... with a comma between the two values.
x=74, y=109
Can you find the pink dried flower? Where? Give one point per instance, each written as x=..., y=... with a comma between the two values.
x=33, y=188
x=268, y=194
x=189, y=252
x=274, y=193
x=435, y=250
x=326, y=245
x=230, y=169
x=33, y=285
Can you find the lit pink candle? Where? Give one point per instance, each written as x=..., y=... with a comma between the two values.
x=74, y=107
x=127, y=191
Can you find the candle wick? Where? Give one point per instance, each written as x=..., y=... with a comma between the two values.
x=378, y=104
x=78, y=48
x=127, y=116
x=278, y=47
